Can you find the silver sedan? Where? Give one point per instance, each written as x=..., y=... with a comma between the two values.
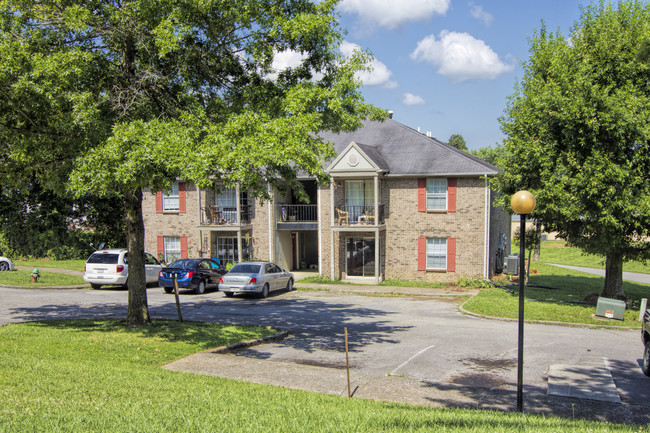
x=255, y=277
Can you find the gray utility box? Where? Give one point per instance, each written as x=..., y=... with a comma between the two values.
x=610, y=308
x=512, y=265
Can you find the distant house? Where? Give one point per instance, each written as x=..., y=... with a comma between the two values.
x=401, y=205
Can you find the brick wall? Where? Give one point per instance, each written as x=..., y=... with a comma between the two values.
x=404, y=225
x=171, y=223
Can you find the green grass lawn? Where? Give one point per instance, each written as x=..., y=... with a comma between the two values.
x=47, y=278
x=99, y=376
x=569, y=286
x=73, y=265
x=557, y=252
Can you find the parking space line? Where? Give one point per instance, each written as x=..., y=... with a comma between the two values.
x=411, y=358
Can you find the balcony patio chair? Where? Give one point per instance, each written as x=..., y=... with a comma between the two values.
x=343, y=216
x=216, y=215
x=369, y=216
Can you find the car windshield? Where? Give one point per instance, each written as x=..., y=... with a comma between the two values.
x=183, y=264
x=103, y=258
x=245, y=268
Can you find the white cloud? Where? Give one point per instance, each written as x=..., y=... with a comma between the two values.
x=411, y=99
x=391, y=14
x=460, y=57
x=480, y=14
x=379, y=75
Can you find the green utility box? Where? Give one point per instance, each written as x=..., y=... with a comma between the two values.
x=610, y=308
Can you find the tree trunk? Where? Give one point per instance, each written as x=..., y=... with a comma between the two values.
x=614, y=276
x=138, y=310
x=538, y=241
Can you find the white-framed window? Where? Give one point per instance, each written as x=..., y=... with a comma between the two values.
x=170, y=201
x=436, y=194
x=436, y=253
x=359, y=197
x=172, y=245
x=226, y=199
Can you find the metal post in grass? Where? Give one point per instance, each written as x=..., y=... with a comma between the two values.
x=178, y=303
x=347, y=360
x=522, y=203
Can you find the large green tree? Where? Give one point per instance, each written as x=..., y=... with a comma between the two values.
x=578, y=131
x=113, y=96
x=457, y=141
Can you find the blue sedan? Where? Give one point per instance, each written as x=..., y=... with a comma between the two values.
x=196, y=274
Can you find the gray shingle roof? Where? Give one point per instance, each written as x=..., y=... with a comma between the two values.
x=406, y=152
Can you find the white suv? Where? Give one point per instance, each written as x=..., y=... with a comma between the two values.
x=109, y=267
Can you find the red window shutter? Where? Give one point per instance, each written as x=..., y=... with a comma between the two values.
x=451, y=254
x=451, y=194
x=181, y=197
x=422, y=194
x=422, y=254
x=183, y=247
x=159, y=206
x=161, y=245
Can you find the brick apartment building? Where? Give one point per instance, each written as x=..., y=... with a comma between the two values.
x=401, y=205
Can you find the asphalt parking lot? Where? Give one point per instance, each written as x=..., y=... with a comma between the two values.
x=420, y=350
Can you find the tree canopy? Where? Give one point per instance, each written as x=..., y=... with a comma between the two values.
x=578, y=131
x=457, y=141
x=113, y=96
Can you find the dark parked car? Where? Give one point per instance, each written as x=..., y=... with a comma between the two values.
x=197, y=274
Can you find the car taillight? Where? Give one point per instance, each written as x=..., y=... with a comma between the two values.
x=253, y=280
x=84, y=267
x=120, y=268
x=220, y=280
x=160, y=274
x=190, y=274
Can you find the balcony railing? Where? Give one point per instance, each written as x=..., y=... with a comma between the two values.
x=224, y=216
x=297, y=213
x=358, y=215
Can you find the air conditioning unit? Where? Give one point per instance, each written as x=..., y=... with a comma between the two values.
x=512, y=265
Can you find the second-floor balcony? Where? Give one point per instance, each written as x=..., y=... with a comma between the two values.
x=297, y=213
x=296, y=216
x=214, y=215
x=353, y=215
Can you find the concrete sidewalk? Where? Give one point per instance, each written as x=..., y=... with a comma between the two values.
x=627, y=276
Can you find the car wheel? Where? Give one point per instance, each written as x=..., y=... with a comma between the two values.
x=95, y=286
x=169, y=290
x=228, y=294
x=290, y=284
x=200, y=289
x=265, y=291
x=646, y=360
x=4, y=266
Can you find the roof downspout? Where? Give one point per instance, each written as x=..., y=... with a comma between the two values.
x=271, y=205
x=486, y=266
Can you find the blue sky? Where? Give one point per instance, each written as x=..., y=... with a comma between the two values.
x=421, y=47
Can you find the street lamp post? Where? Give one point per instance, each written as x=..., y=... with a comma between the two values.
x=522, y=203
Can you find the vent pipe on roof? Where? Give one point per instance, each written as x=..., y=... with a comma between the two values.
x=418, y=129
x=428, y=133
x=390, y=114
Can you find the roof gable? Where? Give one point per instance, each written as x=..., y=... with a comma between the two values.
x=400, y=150
x=358, y=158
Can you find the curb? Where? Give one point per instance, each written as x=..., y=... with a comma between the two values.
x=281, y=335
x=80, y=286
x=543, y=322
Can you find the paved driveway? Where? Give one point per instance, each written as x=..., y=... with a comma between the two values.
x=451, y=359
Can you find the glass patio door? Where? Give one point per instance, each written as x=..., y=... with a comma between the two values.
x=360, y=257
